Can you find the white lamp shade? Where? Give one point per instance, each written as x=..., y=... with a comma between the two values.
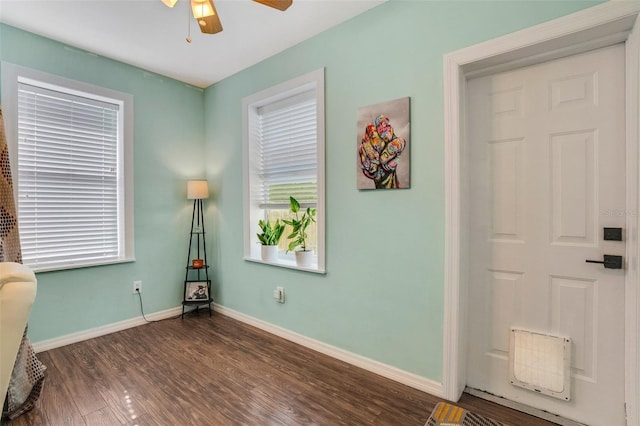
x=197, y=189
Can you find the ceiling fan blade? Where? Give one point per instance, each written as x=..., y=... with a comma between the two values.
x=276, y=4
x=210, y=24
x=207, y=16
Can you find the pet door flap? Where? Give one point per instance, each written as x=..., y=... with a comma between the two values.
x=540, y=362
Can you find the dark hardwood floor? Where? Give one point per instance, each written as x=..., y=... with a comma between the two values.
x=218, y=371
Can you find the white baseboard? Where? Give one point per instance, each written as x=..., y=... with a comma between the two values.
x=388, y=371
x=384, y=370
x=68, y=339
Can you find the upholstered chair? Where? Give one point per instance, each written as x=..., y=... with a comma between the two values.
x=17, y=294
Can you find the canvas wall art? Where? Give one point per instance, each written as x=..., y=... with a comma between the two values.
x=383, y=145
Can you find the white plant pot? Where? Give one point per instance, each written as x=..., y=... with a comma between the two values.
x=304, y=258
x=269, y=253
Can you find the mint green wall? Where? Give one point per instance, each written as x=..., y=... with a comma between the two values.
x=383, y=293
x=168, y=138
x=382, y=296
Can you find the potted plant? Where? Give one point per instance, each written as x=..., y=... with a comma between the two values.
x=269, y=238
x=298, y=235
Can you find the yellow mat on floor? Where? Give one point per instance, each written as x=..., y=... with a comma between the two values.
x=445, y=414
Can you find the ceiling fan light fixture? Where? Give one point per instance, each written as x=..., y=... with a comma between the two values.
x=276, y=4
x=202, y=8
x=207, y=16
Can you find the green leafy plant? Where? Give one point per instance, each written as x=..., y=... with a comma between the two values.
x=300, y=223
x=270, y=234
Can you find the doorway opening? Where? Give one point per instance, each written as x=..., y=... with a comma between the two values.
x=600, y=26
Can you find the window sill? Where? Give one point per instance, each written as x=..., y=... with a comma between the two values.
x=37, y=269
x=286, y=263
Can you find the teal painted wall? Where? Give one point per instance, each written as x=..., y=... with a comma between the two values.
x=168, y=140
x=382, y=296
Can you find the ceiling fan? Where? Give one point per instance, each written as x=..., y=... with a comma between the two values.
x=205, y=12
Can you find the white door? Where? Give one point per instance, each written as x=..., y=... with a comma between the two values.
x=546, y=164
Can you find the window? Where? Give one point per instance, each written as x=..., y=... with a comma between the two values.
x=71, y=179
x=284, y=156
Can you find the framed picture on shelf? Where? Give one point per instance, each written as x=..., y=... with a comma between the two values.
x=195, y=291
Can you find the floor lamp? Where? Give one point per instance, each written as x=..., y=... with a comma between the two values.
x=197, y=190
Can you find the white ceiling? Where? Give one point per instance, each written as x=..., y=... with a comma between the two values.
x=149, y=35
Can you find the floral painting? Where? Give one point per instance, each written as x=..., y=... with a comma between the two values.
x=383, y=145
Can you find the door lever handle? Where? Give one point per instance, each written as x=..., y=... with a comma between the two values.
x=610, y=261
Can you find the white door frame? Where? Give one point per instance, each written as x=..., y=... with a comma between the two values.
x=603, y=25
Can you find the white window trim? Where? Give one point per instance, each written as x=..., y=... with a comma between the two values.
x=250, y=104
x=11, y=74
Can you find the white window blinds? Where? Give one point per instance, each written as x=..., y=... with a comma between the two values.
x=68, y=178
x=287, y=136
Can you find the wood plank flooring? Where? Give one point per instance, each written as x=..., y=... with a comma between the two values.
x=218, y=371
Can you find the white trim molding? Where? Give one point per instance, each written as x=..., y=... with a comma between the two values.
x=68, y=339
x=413, y=380
x=602, y=25
x=384, y=370
x=11, y=76
x=312, y=82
